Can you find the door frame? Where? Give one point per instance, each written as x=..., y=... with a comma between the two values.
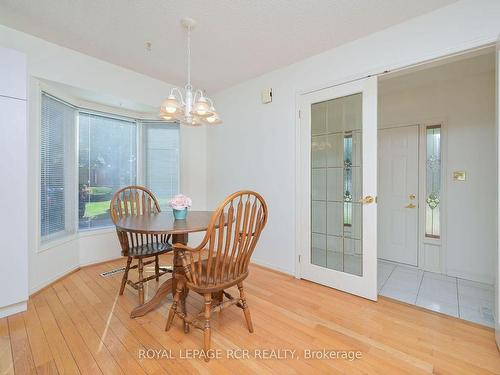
x=422, y=124
x=306, y=86
x=365, y=285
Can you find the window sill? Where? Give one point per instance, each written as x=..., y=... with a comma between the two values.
x=96, y=231
x=72, y=237
x=56, y=242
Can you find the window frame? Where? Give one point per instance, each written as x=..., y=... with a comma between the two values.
x=72, y=177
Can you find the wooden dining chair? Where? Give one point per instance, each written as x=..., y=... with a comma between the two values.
x=138, y=200
x=221, y=260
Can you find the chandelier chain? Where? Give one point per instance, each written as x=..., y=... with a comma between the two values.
x=189, y=56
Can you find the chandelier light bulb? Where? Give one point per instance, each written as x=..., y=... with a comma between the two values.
x=170, y=105
x=202, y=108
x=171, y=110
x=196, y=121
x=214, y=119
x=167, y=116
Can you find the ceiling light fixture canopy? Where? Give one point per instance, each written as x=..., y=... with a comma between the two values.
x=194, y=107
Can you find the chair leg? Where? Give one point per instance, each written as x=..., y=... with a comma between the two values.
x=157, y=268
x=206, y=328
x=125, y=275
x=173, y=308
x=140, y=282
x=246, y=310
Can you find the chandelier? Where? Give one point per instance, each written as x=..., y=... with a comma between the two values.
x=194, y=107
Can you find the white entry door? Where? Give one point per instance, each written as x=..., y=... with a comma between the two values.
x=398, y=194
x=338, y=187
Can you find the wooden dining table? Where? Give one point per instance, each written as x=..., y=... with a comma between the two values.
x=164, y=223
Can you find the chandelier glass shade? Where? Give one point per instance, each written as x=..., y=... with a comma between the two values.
x=191, y=107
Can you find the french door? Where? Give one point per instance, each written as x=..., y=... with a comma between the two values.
x=338, y=187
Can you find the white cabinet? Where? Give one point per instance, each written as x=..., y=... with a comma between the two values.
x=13, y=189
x=12, y=73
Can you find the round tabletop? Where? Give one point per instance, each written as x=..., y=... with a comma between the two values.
x=164, y=222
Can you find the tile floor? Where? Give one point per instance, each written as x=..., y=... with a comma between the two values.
x=461, y=298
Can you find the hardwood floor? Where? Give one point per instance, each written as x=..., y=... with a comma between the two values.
x=80, y=325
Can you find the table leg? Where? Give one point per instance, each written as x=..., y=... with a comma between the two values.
x=218, y=297
x=178, y=272
x=168, y=286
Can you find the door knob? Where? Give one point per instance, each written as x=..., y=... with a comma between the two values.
x=411, y=205
x=412, y=196
x=367, y=200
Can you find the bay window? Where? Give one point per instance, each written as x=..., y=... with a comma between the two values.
x=86, y=156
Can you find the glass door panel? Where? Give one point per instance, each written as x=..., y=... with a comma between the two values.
x=336, y=184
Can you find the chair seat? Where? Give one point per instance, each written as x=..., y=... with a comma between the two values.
x=149, y=249
x=226, y=280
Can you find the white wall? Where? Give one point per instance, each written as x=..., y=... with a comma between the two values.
x=255, y=147
x=461, y=96
x=51, y=62
x=13, y=189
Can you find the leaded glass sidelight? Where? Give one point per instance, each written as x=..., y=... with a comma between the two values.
x=433, y=181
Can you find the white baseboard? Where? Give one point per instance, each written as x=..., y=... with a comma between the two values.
x=273, y=267
x=97, y=261
x=42, y=285
x=13, y=309
x=67, y=272
x=480, y=278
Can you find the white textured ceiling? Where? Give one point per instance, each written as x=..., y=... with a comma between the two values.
x=235, y=39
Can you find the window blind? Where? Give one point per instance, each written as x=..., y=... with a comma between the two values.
x=57, y=127
x=161, y=160
x=105, y=156
x=107, y=161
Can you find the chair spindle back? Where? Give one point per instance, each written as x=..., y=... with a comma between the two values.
x=132, y=201
x=231, y=237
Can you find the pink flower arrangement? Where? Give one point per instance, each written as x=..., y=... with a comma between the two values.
x=180, y=202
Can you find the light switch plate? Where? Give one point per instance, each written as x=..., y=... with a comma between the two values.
x=267, y=96
x=459, y=175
